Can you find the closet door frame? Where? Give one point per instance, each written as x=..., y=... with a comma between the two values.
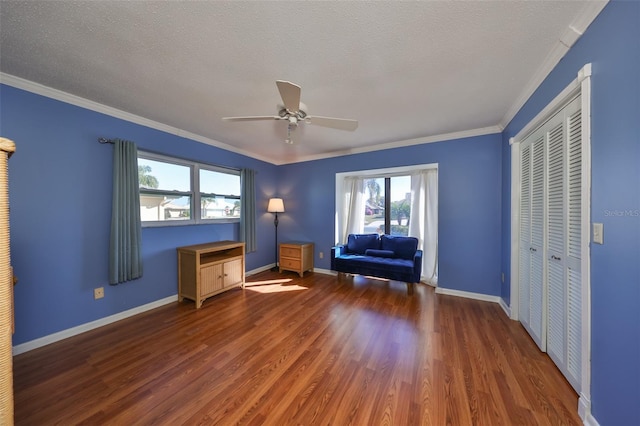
x=580, y=86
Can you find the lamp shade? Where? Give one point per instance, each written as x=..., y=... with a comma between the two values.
x=276, y=205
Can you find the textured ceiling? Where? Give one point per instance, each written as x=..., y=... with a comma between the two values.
x=404, y=70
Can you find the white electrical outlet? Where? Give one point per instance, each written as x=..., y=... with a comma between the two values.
x=98, y=293
x=321, y=255
x=598, y=233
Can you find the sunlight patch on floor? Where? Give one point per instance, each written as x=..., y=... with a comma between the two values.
x=273, y=286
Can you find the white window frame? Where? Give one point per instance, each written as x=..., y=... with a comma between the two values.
x=194, y=193
x=371, y=173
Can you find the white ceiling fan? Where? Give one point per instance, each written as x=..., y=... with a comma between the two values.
x=294, y=112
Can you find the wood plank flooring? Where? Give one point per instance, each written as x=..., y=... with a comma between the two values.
x=289, y=350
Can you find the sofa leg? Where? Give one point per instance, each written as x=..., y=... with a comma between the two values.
x=410, y=289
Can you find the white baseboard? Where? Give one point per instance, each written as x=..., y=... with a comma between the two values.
x=260, y=269
x=584, y=411
x=590, y=421
x=468, y=295
x=505, y=308
x=325, y=271
x=64, y=334
x=267, y=267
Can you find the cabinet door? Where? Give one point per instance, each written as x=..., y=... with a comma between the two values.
x=233, y=272
x=210, y=279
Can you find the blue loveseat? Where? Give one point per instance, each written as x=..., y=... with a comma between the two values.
x=387, y=256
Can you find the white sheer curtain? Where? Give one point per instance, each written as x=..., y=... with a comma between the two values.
x=352, y=220
x=423, y=222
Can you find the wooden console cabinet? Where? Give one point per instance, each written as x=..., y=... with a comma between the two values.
x=296, y=256
x=205, y=270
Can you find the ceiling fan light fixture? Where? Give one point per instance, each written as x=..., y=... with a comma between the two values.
x=288, y=140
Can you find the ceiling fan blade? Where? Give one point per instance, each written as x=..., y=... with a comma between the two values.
x=290, y=94
x=334, y=123
x=253, y=118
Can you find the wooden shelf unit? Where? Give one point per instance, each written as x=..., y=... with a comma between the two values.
x=205, y=270
x=296, y=256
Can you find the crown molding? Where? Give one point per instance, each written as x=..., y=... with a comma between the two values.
x=562, y=46
x=403, y=143
x=39, y=89
x=59, y=95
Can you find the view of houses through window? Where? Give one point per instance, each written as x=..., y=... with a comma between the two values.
x=173, y=190
x=387, y=205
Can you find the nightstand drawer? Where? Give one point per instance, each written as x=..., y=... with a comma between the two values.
x=290, y=252
x=290, y=264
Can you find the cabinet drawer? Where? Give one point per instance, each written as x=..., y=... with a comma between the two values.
x=290, y=252
x=290, y=263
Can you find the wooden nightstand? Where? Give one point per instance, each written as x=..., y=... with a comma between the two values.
x=296, y=256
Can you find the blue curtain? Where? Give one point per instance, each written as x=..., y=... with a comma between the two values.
x=125, y=253
x=248, y=209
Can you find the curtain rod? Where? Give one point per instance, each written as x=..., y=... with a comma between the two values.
x=110, y=141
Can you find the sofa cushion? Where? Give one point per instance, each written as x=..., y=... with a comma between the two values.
x=359, y=243
x=380, y=253
x=376, y=266
x=403, y=247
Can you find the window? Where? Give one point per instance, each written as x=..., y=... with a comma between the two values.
x=396, y=201
x=387, y=205
x=179, y=192
x=219, y=195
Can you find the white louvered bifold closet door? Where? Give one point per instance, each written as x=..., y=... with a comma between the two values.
x=532, y=309
x=556, y=243
x=574, y=258
x=550, y=243
x=525, y=237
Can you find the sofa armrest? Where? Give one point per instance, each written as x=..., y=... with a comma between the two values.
x=417, y=263
x=337, y=251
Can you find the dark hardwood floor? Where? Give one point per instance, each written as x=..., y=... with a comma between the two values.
x=312, y=350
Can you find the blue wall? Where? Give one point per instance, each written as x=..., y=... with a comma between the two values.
x=469, y=187
x=60, y=196
x=612, y=45
x=61, y=184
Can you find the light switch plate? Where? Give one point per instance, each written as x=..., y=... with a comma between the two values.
x=598, y=236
